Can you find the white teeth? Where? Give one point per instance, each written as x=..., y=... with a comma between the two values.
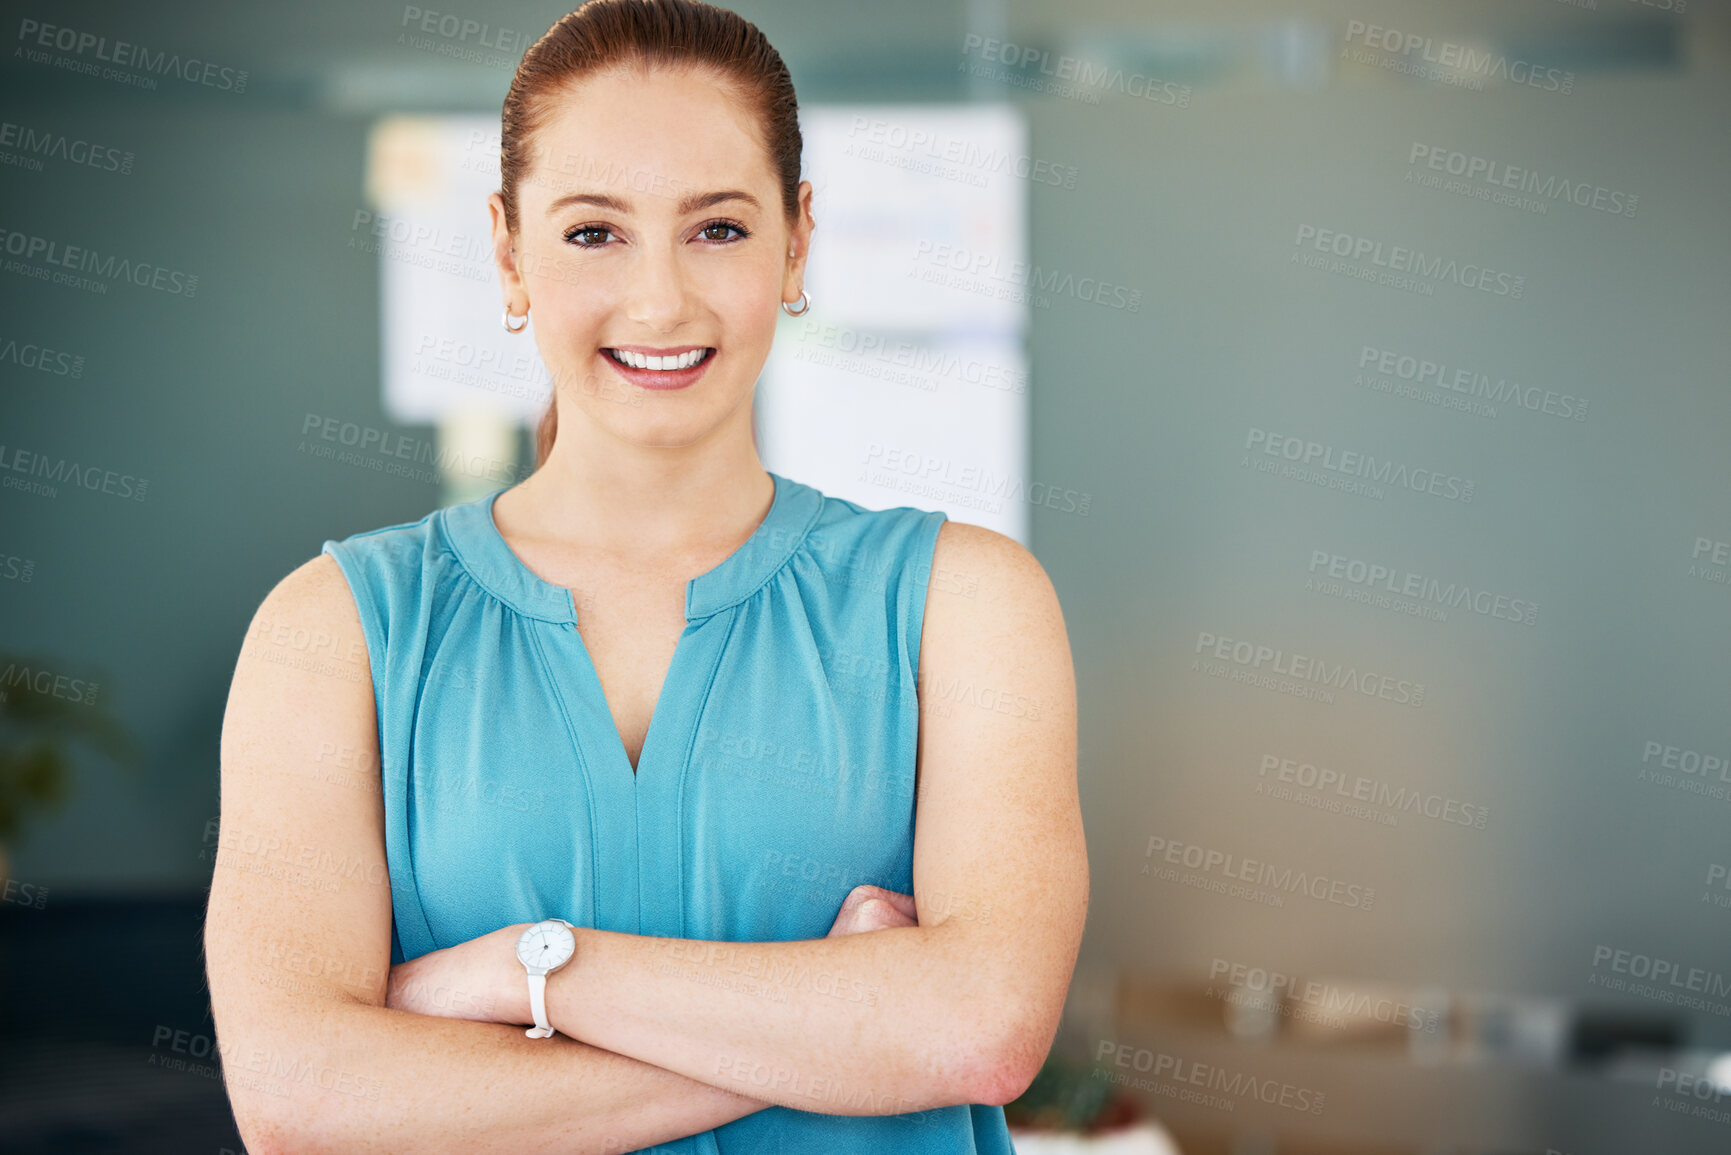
x=643, y=361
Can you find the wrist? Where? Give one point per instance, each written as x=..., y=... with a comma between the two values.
x=559, y=981
x=517, y=1003
x=512, y=978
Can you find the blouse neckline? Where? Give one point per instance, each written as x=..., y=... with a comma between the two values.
x=474, y=537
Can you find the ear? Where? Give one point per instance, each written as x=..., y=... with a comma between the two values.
x=505, y=256
x=798, y=247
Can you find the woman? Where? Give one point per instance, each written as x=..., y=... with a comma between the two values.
x=680, y=703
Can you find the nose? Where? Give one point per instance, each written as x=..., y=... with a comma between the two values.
x=658, y=296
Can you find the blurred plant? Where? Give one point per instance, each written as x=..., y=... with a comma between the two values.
x=38, y=726
x=1069, y=1096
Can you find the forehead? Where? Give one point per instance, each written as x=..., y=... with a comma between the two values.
x=648, y=135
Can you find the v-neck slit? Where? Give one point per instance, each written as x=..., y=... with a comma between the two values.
x=592, y=676
x=792, y=510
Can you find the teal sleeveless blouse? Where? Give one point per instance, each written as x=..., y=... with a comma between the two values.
x=777, y=774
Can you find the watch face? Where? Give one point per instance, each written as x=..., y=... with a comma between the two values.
x=546, y=945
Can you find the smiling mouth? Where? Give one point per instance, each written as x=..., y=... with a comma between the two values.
x=670, y=363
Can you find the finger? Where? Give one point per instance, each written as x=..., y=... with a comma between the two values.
x=876, y=914
x=902, y=902
x=855, y=897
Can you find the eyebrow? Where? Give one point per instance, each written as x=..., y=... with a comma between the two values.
x=689, y=203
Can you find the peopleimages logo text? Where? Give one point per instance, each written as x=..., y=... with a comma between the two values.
x=992, y=267
x=129, y=55
x=1454, y=379
x=1235, y=1086
x=28, y=247
x=1351, y=462
x=1304, y=668
x=960, y=151
x=1335, y=1005
x=1258, y=873
x=1508, y=176
x=1463, y=58
x=1664, y=973
x=1400, y=259
x=1358, y=788
x=1073, y=69
x=1405, y=583
x=62, y=471
x=59, y=146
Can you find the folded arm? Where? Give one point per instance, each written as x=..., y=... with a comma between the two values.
x=677, y=1036
x=959, y=1009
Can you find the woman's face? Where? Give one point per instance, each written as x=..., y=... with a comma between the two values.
x=653, y=252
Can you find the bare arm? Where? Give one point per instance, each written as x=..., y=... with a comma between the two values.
x=298, y=939
x=959, y=1009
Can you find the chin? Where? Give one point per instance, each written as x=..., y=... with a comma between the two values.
x=662, y=431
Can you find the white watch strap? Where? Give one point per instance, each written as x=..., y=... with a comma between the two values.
x=538, y=1004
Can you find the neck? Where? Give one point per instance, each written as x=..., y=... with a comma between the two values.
x=643, y=503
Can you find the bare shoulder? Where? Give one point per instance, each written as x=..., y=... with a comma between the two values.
x=961, y=542
x=993, y=639
x=315, y=588
x=303, y=671
x=309, y=623
x=987, y=585
x=302, y=691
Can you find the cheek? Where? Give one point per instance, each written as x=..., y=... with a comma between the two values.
x=574, y=283
x=747, y=297
x=572, y=305
x=754, y=280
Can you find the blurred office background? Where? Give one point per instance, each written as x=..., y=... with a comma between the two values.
x=1358, y=371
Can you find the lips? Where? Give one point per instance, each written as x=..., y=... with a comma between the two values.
x=648, y=368
x=660, y=363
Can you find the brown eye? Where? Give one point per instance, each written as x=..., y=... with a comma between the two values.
x=719, y=230
x=589, y=236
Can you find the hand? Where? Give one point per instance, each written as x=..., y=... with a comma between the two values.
x=873, y=908
x=480, y=980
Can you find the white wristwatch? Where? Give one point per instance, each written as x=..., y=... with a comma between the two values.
x=543, y=949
